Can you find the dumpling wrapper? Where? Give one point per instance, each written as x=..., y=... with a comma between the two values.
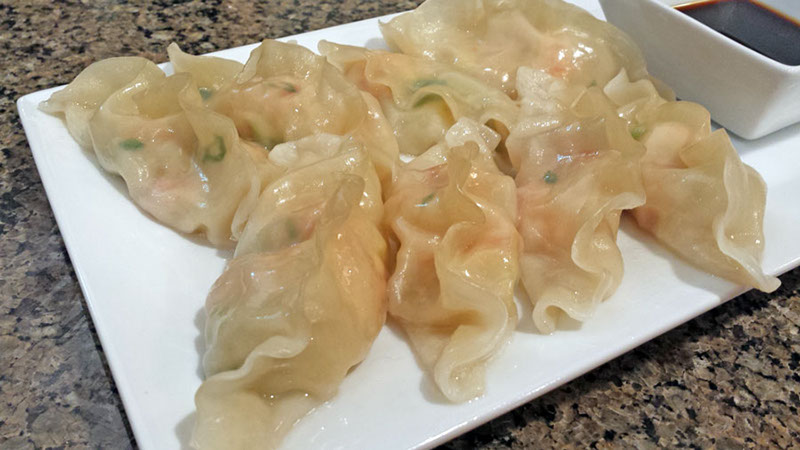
x=703, y=202
x=289, y=208
x=286, y=92
x=81, y=98
x=210, y=73
x=491, y=39
x=579, y=168
x=452, y=290
x=181, y=162
x=295, y=310
x=421, y=98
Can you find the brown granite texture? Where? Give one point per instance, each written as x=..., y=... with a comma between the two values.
x=727, y=379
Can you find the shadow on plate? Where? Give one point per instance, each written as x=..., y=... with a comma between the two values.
x=376, y=44
x=682, y=269
x=199, y=341
x=183, y=430
x=427, y=387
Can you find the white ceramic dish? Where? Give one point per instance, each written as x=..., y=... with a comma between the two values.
x=145, y=286
x=747, y=92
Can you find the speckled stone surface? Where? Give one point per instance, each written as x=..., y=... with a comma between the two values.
x=727, y=379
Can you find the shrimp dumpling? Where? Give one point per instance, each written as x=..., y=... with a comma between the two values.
x=210, y=73
x=300, y=303
x=422, y=99
x=286, y=92
x=288, y=208
x=182, y=163
x=81, y=98
x=453, y=212
x=579, y=168
x=491, y=39
x=703, y=202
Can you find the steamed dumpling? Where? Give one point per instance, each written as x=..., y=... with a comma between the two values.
x=579, y=168
x=491, y=39
x=453, y=212
x=211, y=74
x=288, y=209
x=285, y=92
x=421, y=99
x=703, y=202
x=181, y=162
x=80, y=99
x=301, y=302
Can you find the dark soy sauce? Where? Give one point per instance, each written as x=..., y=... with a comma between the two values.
x=752, y=24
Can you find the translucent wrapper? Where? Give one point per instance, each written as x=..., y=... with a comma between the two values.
x=702, y=200
x=300, y=303
x=421, y=98
x=192, y=147
x=181, y=162
x=210, y=73
x=579, y=168
x=452, y=212
x=286, y=92
x=491, y=39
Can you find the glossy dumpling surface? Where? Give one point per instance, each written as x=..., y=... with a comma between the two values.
x=702, y=200
x=286, y=92
x=300, y=303
x=452, y=212
x=422, y=99
x=491, y=39
x=182, y=162
x=579, y=168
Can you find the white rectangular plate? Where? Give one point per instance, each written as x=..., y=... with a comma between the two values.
x=145, y=286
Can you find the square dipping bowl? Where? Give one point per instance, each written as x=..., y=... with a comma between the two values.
x=747, y=92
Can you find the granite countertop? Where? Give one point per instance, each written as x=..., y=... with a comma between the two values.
x=727, y=379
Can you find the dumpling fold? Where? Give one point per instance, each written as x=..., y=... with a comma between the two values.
x=452, y=290
x=181, y=162
x=703, y=202
x=301, y=302
x=578, y=169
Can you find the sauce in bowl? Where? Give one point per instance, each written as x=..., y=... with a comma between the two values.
x=751, y=23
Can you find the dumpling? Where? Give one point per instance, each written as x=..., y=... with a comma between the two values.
x=181, y=162
x=210, y=73
x=702, y=200
x=292, y=204
x=285, y=92
x=79, y=100
x=301, y=302
x=421, y=99
x=453, y=212
x=491, y=39
x=579, y=168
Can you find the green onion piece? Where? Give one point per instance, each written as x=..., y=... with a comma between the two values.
x=131, y=144
x=593, y=83
x=421, y=83
x=205, y=93
x=427, y=199
x=288, y=87
x=638, y=131
x=550, y=177
x=215, y=151
x=291, y=230
x=426, y=99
